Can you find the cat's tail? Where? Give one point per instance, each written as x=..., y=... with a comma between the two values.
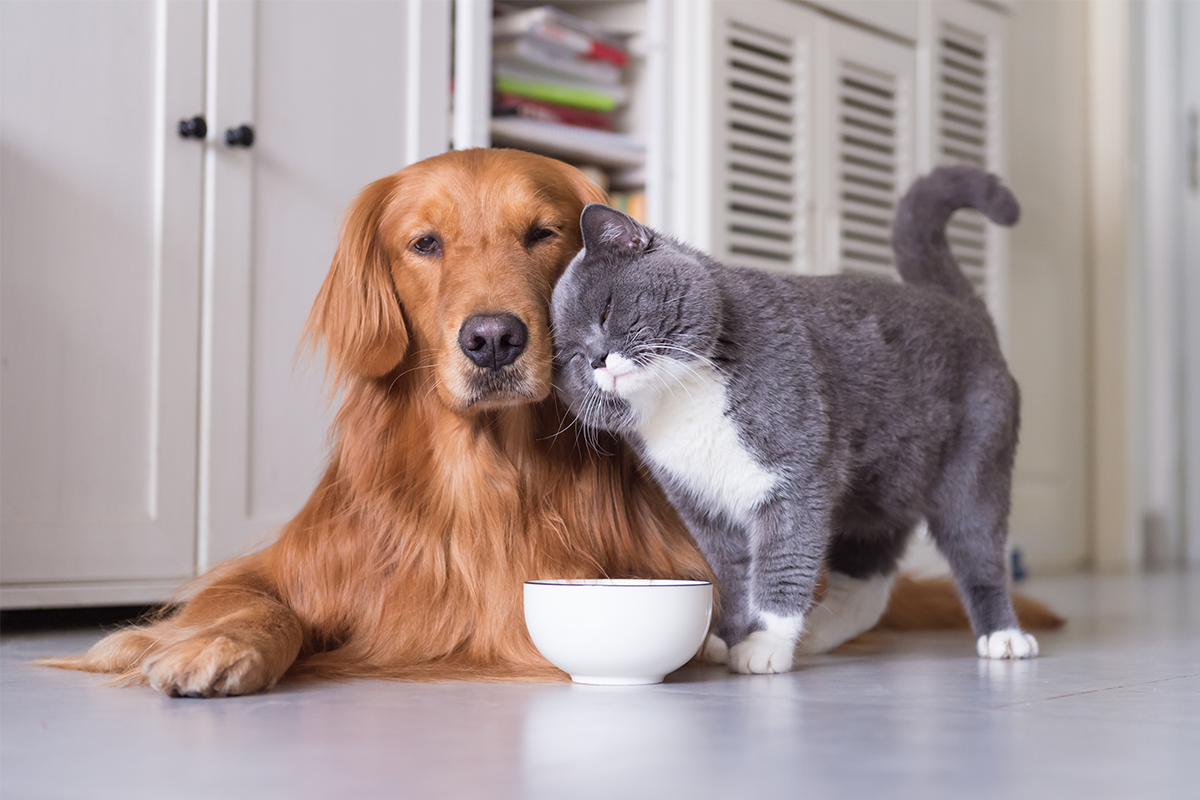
x=919, y=233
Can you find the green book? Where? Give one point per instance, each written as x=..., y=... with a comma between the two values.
x=565, y=95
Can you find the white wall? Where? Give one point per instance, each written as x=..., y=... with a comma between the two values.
x=1189, y=100
x=1046, y=113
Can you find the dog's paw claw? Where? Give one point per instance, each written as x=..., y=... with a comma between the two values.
x=213, y=666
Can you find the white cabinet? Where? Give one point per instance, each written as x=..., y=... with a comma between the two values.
x=154, y=416
x=100, y=217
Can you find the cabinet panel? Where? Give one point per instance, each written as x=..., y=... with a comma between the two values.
x=865, y=146
x=959, y=121
x=761, y=135
x=897, y=17
x=99, y=239
x=326, y=94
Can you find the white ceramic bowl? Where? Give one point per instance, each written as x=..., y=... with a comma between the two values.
x=618, y=632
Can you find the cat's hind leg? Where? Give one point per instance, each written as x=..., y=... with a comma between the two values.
x=969, y=523
x=851, y=606
x=862, y=568
x=975, y=550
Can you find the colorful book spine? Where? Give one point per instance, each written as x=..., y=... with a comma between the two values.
x=532, y=53
x=511, y=105
x=588, y=40
x=592, y=98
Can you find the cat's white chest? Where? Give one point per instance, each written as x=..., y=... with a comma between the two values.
x=687, y=434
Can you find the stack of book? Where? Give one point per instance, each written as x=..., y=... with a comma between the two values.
x=558, y=80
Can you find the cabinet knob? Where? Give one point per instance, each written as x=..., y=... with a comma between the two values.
x=242, y=136
x=194, y=128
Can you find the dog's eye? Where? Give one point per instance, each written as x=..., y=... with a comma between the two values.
x=536, y=235
x=427, y=245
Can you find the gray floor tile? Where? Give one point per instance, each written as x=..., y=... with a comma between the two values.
x=1112, y=709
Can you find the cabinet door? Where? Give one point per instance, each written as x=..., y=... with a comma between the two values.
x=805, y=135
x=864, y=146
x=960, y=60
x=762, y=75
x=100, y=242
x=338, y=94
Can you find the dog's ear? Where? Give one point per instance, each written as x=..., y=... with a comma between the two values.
x=585, y=189
x=357, y=315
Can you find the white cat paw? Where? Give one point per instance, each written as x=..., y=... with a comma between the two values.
x=1011, y=643
x=714, y=650
x=762, y=652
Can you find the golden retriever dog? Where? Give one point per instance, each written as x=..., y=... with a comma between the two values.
x=454, y=476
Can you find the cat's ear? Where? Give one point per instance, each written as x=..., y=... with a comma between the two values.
x=605, y=227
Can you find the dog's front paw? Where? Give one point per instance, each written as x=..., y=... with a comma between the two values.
x=714, y=650
x=208, y=666
x=1011, y=643
x=763, y=652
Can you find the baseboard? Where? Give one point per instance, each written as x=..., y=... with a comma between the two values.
x=95, y=593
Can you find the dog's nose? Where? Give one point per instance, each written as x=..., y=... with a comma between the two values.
x=493, y=340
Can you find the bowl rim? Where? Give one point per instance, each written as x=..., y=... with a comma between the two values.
x=618, y=583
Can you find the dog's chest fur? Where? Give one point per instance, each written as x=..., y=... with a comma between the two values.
x=688, y=438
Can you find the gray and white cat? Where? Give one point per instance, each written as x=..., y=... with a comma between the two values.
x=799, y=420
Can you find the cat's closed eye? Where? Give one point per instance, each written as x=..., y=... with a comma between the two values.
x=605, y=312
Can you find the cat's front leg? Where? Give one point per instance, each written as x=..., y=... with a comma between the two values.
x=787, y=541
x=727, y=551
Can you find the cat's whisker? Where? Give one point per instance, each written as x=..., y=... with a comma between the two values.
x=569, y=420
x=665, y=345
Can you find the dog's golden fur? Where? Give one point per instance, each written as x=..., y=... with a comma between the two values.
x=448, y=485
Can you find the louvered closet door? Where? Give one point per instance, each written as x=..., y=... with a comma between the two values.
x=865, y=146
x=962, y=44
x=762, y=56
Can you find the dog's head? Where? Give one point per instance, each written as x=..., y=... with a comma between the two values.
x=447, y=267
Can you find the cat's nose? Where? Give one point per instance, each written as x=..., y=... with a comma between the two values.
x=492, y=341
x=599, y=361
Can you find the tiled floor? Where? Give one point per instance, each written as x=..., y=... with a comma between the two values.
x=1111, y=709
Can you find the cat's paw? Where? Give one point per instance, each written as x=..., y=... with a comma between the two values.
x=763, y=652
x=714, y=650
x=1010, y=643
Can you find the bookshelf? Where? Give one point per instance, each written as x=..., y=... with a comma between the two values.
x=616, y=156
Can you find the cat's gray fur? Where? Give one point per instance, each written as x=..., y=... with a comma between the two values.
x=873, y=403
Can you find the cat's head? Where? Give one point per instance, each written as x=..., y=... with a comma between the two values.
x=633, y=313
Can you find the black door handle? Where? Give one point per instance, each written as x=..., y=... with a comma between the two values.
x=194, y=128
x=242, y=136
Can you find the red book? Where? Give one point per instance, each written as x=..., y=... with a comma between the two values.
x=586, y=38
x=511, y=105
